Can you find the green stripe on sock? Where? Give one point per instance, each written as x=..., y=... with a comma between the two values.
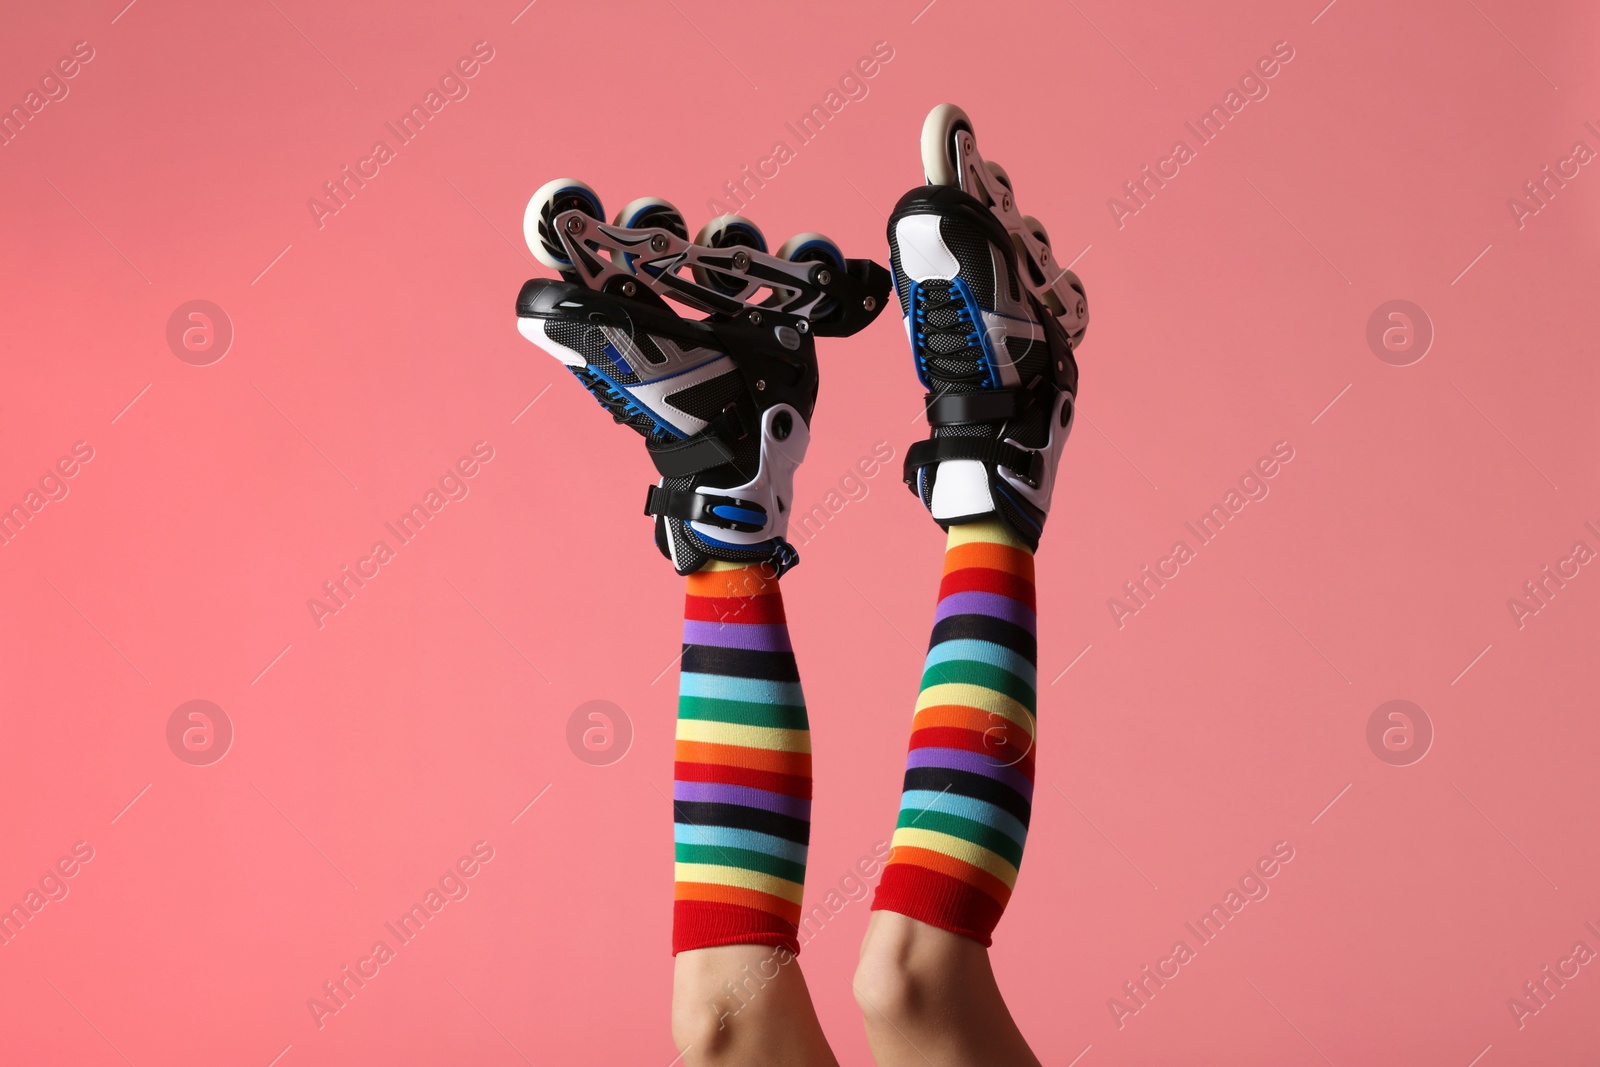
x=744, y=713
x=988, y=837
x=971, y=672
x=722, y=856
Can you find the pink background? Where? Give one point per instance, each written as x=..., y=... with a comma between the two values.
x=371, y=353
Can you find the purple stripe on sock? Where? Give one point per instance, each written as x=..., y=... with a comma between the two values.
x=756, y=637
x=744, y=796
x=977, y=763
x=993, y=604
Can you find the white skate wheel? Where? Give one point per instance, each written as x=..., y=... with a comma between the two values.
x=811, y=248
x=538, y=221
x=814, y=248
x=652, y=212
x=727, y=231
x=939, y=131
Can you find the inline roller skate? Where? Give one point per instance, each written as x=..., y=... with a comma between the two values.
x=993, y=322
x=724, y=401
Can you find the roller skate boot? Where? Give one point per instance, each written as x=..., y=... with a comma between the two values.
x=993, y=323
x=723, y=401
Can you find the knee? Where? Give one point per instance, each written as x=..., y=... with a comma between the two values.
x=887, y=988
x=911, y=972
x=702, y=1033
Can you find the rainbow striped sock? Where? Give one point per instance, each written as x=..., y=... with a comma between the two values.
x=741, y=797
x=969, y=777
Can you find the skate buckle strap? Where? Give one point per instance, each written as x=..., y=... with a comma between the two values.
x=1024, y=463
x=691, y=505
x=706, y=449
x=680, y=459
x=946, y=409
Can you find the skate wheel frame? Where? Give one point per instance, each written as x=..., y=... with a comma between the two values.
x=950, y=157
x=727, y=271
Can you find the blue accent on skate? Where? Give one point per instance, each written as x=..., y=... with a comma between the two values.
x=749, y=230
x=971, y=313
x=616, y=358
x=737, y=514
x=1018, y=508
x=599, y=212
x=784, y=556
x=631, y=403
x=914, y=316
x=725, y=544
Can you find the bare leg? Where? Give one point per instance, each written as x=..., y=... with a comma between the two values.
x=741, y=803
x=991, y=345
x=745, y=1004
x=929, y=997
x=724, y=408
x=924, y=983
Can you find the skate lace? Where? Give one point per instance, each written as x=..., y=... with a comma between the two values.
x=949, y=347
x=619, y=404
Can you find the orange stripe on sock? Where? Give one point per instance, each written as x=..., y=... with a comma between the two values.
x=744, y=582
x=761, y=759
x=953, y=868
x=744, y=898
x=987, y=554
x=974, y=719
